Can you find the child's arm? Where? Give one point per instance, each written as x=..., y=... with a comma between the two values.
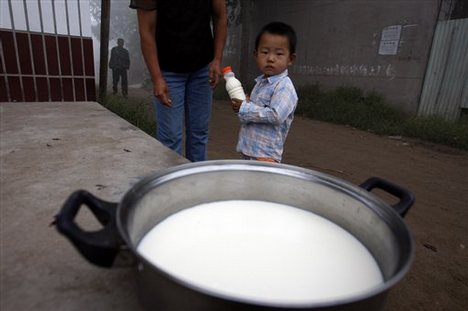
x=282, y=104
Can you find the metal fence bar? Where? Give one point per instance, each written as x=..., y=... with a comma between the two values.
x=70, y=48
x=15, y=43
x=54, y=13
x=41, y=21
x=45, y=76
x=82, y=51
x=30, y=49
x=7, y=85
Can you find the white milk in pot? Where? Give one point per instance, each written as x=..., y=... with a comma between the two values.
x=263, y=252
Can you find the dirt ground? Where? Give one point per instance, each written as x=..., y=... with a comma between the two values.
x=437, y=175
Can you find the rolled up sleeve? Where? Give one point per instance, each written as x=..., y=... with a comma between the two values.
x=143, y=4
x=282, y=105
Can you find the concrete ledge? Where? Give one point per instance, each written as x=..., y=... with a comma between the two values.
x=49, y=150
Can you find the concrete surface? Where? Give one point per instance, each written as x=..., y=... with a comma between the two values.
x=49, y=150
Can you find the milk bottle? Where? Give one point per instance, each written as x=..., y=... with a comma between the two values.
x=233, y=86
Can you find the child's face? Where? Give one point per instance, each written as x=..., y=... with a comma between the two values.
x=273, y=55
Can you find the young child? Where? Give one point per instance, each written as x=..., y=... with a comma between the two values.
x=267, y=115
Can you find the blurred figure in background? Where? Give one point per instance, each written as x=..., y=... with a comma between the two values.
x=119, y=63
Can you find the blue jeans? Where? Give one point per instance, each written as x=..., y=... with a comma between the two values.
x=191, y=97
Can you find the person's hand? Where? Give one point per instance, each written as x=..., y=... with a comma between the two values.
x=236, y=104
x=214, y=73
x=161, y=91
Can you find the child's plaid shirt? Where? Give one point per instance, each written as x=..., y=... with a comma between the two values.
x=267, y=116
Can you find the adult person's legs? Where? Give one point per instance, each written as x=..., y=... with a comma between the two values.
x=115, y=80
x=191, y=97
x=170, y=120
x=198, y=98
x=124, y=82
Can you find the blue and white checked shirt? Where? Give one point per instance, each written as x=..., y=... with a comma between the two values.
x=267, y=117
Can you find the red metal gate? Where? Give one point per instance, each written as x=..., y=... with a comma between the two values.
x=45, y=67
x=44, y=55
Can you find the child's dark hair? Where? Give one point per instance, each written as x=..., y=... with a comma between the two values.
x=282, y=29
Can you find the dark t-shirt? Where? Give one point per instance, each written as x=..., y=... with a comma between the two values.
x=120, y=58
x=183, y=32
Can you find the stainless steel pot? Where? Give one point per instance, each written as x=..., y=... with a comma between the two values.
x=376, y=224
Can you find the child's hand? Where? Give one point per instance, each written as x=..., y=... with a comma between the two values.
x=236, y=104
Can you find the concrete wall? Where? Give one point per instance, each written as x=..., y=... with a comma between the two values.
x=232, y=51
x=340, y=43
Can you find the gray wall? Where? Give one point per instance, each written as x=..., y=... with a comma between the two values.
x=339, y=43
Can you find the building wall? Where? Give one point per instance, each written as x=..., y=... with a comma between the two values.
x=232, y=51
x=339, y=43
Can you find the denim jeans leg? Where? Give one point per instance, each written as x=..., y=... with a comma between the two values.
x=170, y=120
x=199, y=98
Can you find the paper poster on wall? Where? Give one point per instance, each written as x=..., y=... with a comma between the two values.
x=390, y=40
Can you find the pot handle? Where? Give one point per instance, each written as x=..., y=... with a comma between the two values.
x=99, y=247
x=406, y=197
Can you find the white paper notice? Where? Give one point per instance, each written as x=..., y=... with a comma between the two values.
x=390, y=40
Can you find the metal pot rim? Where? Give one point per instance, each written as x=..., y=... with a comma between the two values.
x=157, y=178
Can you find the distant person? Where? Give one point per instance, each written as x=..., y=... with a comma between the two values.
x=267, y=115
x=182, y=43
x=119, y=63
